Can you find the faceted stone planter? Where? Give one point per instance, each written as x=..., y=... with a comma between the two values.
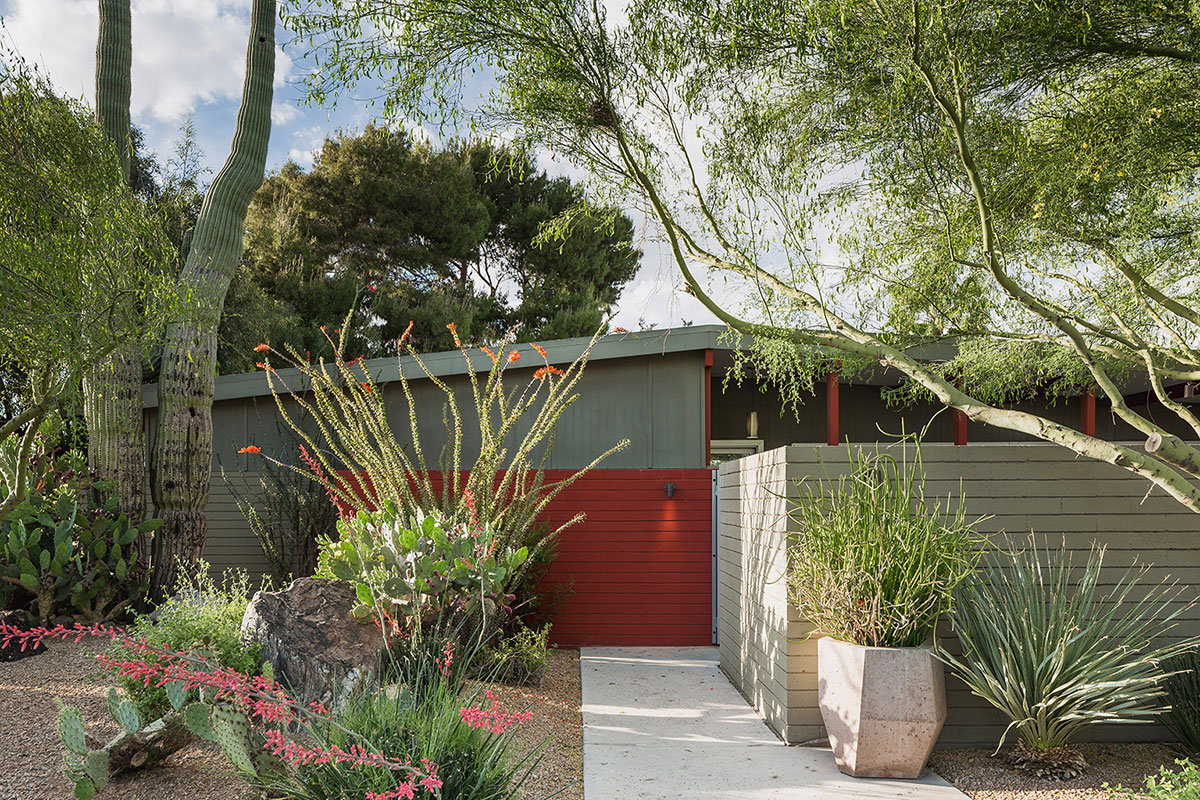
x=883, y=707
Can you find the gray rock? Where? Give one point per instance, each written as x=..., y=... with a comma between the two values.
x=309, y=639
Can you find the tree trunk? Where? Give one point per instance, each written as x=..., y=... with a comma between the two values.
x=181, y=469
x=112, y=390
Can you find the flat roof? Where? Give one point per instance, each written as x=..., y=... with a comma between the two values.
x=625, y=344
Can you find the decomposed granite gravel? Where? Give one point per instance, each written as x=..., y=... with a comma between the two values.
x=982, y=777
x=31, y=759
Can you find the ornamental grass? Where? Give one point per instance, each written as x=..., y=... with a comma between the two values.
x=874, y=561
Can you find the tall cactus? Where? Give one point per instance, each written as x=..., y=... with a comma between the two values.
x=112, y=394
x=181, y=466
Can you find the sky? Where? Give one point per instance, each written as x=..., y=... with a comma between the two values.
x=188, y=61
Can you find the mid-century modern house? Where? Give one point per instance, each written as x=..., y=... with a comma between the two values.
x=686, y=530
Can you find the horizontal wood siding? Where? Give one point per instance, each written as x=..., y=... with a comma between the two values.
x=1026, y=488
x=638, y=568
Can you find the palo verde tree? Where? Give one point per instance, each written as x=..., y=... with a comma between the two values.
x=81, y=260
x=181, y=461
x=1020, y=177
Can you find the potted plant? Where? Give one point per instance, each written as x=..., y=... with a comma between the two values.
x=872, y=565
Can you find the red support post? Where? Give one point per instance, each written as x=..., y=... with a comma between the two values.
x=960, y=428
x=708, y=363
x=1087, y=411
x=832, y=427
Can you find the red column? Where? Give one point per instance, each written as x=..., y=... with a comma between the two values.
x=1087, y=411
x=960, y=428
x=708, y=362
x=832, y=428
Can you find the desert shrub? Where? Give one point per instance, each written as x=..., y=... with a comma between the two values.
x=518, y=657
x=202, y=614
x=1168, y=784
x=1056, y=651
x=874, y=562
x=65, y=548
x=1181, y=688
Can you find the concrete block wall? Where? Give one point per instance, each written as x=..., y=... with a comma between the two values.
x=1041, y=488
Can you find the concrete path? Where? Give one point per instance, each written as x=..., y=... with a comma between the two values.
x=663, y=723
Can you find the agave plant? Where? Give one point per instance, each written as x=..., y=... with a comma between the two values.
x=1181, y=713
x=1056, y=654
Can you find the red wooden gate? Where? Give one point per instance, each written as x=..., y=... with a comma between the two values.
x=639, y=567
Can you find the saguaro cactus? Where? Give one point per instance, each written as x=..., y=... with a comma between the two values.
x=112, y=394
x=181, y=466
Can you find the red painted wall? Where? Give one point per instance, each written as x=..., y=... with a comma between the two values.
x=640, y=564
x=638, y=569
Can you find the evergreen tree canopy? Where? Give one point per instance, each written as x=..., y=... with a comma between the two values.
x=400, y=231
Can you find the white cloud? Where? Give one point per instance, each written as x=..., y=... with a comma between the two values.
x=283, y=113
x=185, y=53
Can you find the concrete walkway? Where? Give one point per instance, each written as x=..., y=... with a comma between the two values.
x=663, y=723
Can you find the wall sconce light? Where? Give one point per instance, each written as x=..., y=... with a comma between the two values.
x=670, y=487
x=752, y=425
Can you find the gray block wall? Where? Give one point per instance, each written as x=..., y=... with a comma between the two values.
x=1026, y=487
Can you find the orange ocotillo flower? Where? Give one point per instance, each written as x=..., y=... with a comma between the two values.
x=262, y=347
x=250, y=449
x=513, y=356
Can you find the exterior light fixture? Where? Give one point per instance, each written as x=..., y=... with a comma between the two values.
x=670, y=487
x=752, y=425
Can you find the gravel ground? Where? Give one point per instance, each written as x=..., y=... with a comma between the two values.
x=30, y=755
x=31, y=761
x=982, y=777
x=557, y=721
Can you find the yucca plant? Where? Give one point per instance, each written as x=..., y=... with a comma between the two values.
x=1056, y=650
x=874, y=561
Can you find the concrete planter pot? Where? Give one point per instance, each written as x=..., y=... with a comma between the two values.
x=883, y=707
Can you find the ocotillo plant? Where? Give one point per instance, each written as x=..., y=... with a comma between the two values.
x=181, y=463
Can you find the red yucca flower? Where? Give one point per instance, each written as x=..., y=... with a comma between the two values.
x=250, y=449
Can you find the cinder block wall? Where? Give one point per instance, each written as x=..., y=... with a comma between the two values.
x=1026, y=487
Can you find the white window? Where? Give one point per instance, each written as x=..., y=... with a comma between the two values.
x=722, y=450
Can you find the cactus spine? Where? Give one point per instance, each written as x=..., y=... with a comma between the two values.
x=113, y=388
x=181, y=465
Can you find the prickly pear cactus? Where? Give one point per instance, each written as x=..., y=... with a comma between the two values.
x=233, y=731
x=124, y=712
x=87, y=769
x=198, y=717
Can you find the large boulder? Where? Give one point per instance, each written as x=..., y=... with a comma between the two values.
x=13, y=652
x=309, y=639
